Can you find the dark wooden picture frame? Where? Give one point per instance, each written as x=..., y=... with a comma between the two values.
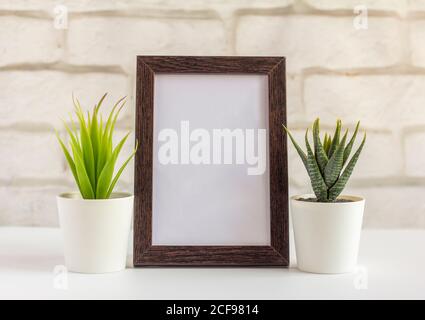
x=146, y=254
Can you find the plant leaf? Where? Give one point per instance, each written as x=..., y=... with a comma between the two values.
x=349, y=146
x=87, y=148
x=95, y=138
x=112, y=128
x=93, y=157
x=335, y=140
x=301, y=153
x=317, y=182
x=108, y=171
x=69, y=160
x=111, y=116
x=336, y=190
x=73, y=136
x=325, y=143
x=328, y=144
x=335, y=164
x=96, y=132
x=106, y=149
x=100, y=102
x=319, y=151
x=88, y=121
x=73, y=128
x=117, y=176
x=85, y=185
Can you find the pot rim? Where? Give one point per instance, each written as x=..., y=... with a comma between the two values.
x=76, y=196
x=354, y=199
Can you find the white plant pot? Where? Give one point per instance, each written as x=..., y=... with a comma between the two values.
x=327, y=235
x=95, y=232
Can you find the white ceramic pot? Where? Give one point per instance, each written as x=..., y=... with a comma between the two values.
x=327, y=235
x=95, y=232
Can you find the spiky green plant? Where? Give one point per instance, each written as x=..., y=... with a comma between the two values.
x=328, y=165
x=92, y=157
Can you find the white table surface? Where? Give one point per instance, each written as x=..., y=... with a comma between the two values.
x=392, y=266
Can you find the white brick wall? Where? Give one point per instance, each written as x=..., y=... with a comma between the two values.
x=375, y=75
x=46, y=96
x=29, y=205
x=105, y=39
x=321, y=41
x=417, y=36
x=30, y=155
x=28, y=40
x=384, y=5
x=389, y=206
x=384, y=101
x=413, y=143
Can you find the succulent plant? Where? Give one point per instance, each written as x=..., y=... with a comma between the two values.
x=328, y=165
x=92, y=157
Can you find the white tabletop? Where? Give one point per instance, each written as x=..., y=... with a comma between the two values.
x=392, y=266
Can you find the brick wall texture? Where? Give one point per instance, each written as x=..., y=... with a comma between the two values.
x=51, y=49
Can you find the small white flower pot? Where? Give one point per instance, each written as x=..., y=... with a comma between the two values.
x=327, y=235
x=95, y=232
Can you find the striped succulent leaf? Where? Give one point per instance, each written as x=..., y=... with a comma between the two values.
x=325, y=165
x=350, y=144
x=317, y=182
x=334, y=166
x=297, y=147
x=337, y=188
x=327, y=143
x=335, y=140
x=319, y=151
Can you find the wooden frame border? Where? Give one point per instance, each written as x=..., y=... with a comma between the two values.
x=145, y=254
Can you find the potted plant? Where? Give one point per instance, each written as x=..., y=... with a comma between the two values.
x=95, y=221
x=327, y=225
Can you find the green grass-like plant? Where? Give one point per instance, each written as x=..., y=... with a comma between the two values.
x=92, y=157
x=328, y=165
